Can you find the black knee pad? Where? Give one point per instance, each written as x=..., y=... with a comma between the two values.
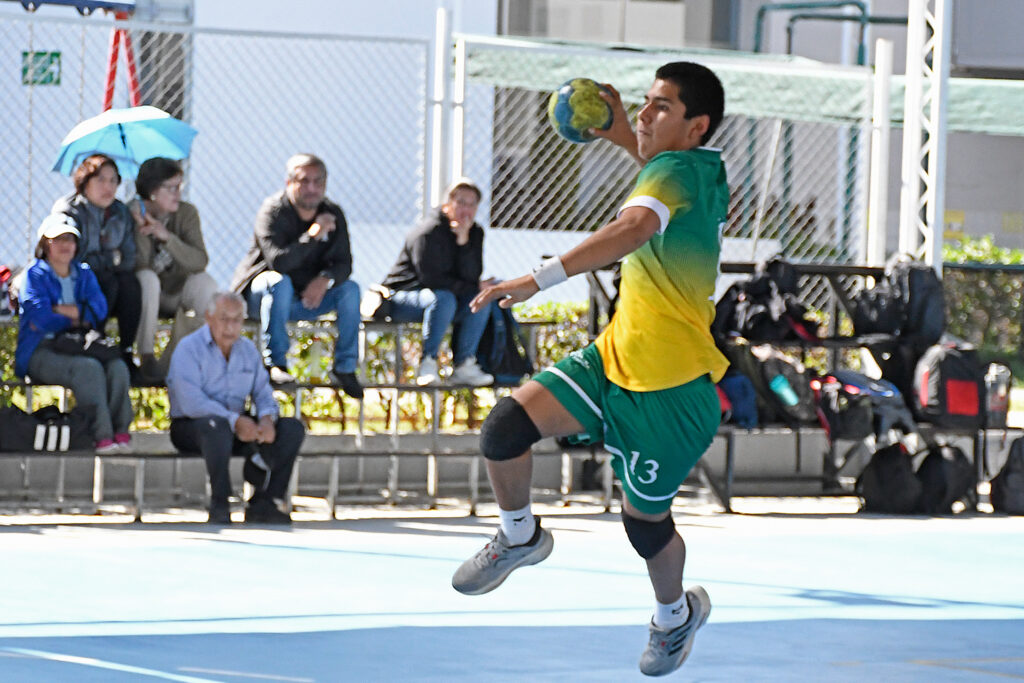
x=648, y=538
x=508, y=431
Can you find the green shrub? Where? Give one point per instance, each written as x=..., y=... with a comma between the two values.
x=984, y=307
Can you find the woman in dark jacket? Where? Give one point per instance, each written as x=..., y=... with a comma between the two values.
x=58, y=292
x=107, y=242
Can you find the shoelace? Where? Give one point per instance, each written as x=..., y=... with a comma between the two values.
x=668, y=640
x=493, y=547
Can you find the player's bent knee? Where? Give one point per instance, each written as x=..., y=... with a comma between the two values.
x=508, y=431
x=648, y=538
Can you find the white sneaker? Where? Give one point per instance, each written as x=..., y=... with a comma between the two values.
x=491, y=565
x=279, y=377
x=470, y=374
x=668, y=649
x=427, y=373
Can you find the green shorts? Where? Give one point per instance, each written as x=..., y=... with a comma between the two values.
x=655, y=437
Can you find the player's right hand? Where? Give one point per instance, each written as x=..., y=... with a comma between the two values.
x=507, y=293
x=620, y=132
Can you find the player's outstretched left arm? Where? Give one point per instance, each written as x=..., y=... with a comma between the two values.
x=507, y=293
x=634, y=226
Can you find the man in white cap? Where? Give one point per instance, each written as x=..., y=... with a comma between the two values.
x=435, y=277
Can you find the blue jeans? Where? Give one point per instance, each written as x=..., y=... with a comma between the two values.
x=437, y=309
x=274, y=301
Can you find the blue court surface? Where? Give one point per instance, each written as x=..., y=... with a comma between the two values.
x=798, y=596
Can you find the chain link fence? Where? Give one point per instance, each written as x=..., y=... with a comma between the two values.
x=797, y=165
x=256, y=99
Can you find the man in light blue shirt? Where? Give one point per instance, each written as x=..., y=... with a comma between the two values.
x=214, y=372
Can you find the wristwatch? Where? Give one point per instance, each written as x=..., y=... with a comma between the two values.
x=330, y=280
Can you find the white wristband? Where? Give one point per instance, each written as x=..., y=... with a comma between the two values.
x=550, y=273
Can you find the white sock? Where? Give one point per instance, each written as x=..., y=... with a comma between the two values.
x=673, y=614
x=518, y=525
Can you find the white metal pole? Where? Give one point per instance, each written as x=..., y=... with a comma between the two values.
x=440, y=107
x=935, y=213
x=910, y=179
x=878, y=183
x=459, y=110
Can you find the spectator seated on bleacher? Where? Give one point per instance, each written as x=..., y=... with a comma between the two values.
x=58, y=292
x=435, y=277
x=107, y=244
x=214, y=372
x=298, y=268
x=171, y=262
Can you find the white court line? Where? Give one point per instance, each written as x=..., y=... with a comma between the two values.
x=100, y=664
x=242, y=674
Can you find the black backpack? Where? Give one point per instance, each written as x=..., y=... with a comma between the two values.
x=764, y=308
x=781, y=383
x=946, y=476
x=888, y=484
x=1007, y=494
x=877, y=310
x=919, y=292
x=949, y=388
x=501, y=351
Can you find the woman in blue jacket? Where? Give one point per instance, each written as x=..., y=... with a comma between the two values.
x=58, y=292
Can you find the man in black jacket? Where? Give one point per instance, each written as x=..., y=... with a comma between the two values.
x=298, y=268
x=436, y=276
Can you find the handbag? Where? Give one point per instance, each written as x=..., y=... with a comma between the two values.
x=83, y=340
x=47, y=429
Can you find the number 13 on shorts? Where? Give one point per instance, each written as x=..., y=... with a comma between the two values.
x=648, y=468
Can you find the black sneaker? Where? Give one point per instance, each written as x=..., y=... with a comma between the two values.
x=220, y=513
x=263, y=511
x=149, y=373
x=348, y=383
x=135, y=377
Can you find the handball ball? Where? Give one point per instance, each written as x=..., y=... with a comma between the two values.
x=577, y=106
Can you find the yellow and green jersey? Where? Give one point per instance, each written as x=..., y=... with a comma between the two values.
x=660, y=335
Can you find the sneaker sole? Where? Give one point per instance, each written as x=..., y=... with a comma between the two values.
x=526, y=561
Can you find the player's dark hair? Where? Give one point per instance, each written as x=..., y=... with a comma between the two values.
x=155, y=172
x=699, y=89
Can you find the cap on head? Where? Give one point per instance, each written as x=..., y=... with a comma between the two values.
x=463, y=183
x=58, y=224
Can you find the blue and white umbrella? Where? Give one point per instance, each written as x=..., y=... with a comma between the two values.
x=128, y=136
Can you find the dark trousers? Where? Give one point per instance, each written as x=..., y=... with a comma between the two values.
x=124, y=302
x=215, y=440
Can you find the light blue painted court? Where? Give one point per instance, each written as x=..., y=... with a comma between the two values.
x=797, y=597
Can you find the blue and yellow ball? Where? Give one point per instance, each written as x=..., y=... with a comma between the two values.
x=577, y=106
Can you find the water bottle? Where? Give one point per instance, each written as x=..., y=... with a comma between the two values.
x=780, y=385
x=317, y=351
x=997, y=388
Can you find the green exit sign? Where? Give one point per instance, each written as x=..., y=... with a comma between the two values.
x=40, y=68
